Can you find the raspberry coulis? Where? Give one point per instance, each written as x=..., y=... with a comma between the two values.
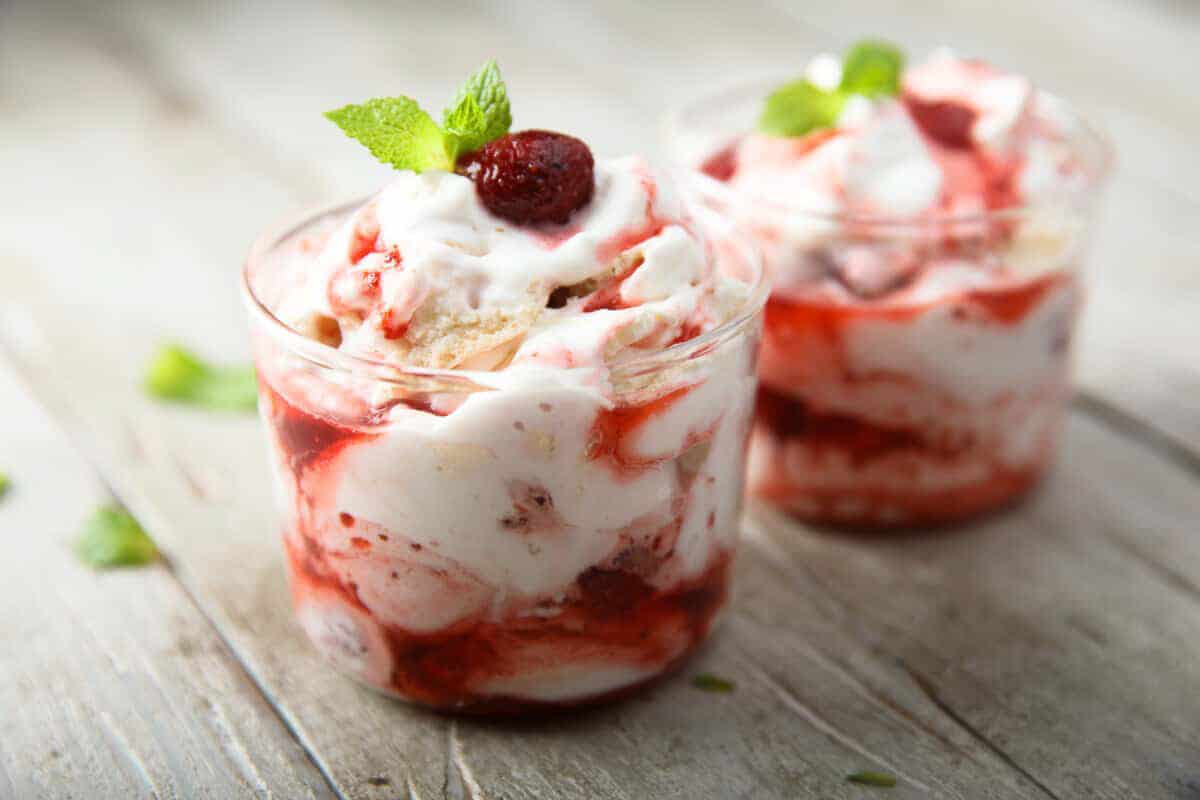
x=611, y=612
x=811, y=334
x=614, y=429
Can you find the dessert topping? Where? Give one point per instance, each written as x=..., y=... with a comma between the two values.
x=869, y=69
x=528, y=178
x=532, y=177
x=399, y=132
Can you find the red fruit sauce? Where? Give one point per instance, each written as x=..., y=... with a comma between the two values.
x=814, y=332
x=611, y=612
x=945, y=122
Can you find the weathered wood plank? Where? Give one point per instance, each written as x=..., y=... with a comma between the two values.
x=1070, y=623
x=821, y=690
x=114, y=685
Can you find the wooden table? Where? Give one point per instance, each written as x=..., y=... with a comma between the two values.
x=1050, y=652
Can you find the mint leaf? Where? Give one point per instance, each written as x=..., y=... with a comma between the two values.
x=112, y=538
x=711, y=683
x=463, y=127
x=800, y=107
x=177, y=375
x=5, y=484
x=870, y=778
x=872, y=68
x=480, y=111
x=397, y=132
x=466, y=123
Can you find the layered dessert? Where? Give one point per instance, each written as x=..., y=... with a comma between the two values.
x=923, y=228
x=508, y=399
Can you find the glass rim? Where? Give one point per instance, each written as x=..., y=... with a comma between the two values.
x=328, y=357
x=1097, y=144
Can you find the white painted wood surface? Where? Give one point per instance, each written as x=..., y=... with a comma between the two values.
x=114, y=685
x=1052, y=652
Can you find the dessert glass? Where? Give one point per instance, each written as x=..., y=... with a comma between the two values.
x=472, y=542
x=895, y=409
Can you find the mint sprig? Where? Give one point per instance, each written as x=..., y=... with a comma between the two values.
x=5, y=484
x=481, y=111
x=399, y=132
x=800, y=107
x=113, y=538
x=177, y=375
x=870, y=68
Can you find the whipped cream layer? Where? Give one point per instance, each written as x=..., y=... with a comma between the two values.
x=549, y=522
x=424, y=275
x=963, y=139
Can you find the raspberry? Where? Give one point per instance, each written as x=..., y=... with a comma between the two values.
x=943, y=121
x=532, y=177
x=722, y=164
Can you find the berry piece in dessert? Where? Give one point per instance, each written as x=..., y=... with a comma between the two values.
x=508, y=398
x=532, y=177
x=923, y=227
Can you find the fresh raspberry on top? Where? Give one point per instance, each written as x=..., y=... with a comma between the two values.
x=944, y=121
x=532, y=177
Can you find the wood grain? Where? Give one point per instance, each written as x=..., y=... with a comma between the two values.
x=1050, y=652
x=114, y=685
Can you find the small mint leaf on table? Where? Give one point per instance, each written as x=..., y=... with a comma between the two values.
x=711, y=683
x=5, y=484
x=872, y=68
x=177, y=375
x=397, y=132
x=481, y=111
x=870, y=778
x=800, y=107
x=112, y=538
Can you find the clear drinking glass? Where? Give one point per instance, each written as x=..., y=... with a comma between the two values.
x=468, y=542
x=876, y=411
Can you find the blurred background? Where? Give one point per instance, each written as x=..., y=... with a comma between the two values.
x=144, y=145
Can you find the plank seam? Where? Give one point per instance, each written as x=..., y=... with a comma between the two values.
x=1147, y=435
x=927, y=688
x=67, y=422
x=460, y=783
x=802, y=709
x=254, y=681
x=1171, y=577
